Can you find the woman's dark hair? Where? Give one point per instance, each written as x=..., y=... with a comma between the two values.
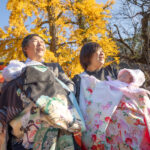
x=87, y=52
x=25, y=42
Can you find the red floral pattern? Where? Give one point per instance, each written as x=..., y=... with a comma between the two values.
x=127, y=127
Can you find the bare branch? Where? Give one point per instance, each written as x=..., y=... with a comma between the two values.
x=122, y=41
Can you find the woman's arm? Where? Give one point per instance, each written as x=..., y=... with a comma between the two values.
x=63, y=77
x=60, y=74
x=77, y=80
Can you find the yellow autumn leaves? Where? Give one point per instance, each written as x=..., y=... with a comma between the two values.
x=64, y=25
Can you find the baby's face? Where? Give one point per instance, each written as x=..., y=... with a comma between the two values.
x=126, y=77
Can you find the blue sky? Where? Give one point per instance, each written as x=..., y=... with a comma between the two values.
x=4, y=13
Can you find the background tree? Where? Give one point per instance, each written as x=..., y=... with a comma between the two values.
x=64, y=24
x=130, y=30
x=129, y=27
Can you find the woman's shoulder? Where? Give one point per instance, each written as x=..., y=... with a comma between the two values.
x=52, y=65
x=111, y=67
x=76, y=78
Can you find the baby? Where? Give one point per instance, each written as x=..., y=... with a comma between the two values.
x=125, y=76
x=101, y=100
x=129, y=82
x=48, y=107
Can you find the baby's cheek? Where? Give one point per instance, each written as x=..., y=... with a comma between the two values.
x=121, y=78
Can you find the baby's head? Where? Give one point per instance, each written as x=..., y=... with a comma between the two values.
x=132, y=76
x=125, y=77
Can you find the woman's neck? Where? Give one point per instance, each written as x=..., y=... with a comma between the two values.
x=93, y=68
x=35, y=59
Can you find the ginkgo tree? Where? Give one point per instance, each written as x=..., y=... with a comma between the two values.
x=65, y=25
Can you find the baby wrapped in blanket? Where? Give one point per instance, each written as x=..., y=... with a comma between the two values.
x=116, y=112
x=37, y=106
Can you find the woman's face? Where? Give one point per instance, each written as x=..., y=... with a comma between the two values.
x=98, y=59
x=36, y=48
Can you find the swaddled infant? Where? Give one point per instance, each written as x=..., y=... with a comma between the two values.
x=100, y=101
x=129, y=82
x=57, y=110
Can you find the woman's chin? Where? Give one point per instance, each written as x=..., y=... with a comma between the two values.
x=101, y=63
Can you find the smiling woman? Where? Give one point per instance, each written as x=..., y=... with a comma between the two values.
x=115, y=112
x=34, y=47
x=92, y=56
x=92, y=59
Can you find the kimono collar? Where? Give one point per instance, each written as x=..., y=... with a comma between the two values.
x=93, y=72
x=15, y=68
x=29, y=62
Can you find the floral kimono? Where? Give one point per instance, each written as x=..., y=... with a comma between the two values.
x=116, y=118
x=39, y=111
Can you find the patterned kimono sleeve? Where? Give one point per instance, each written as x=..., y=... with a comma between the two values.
x=58, y=113
x=146, y=110
x=144, y=104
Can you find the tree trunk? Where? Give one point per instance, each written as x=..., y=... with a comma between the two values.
x=144, y=35
x=52, y=28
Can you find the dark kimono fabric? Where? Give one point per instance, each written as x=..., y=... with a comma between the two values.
x=60, y=74
x=99, y=74
x=33, y=83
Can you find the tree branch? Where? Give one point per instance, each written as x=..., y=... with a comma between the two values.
x=122, y=41
x=59, y=15
x=44, y=22
x=108, y=5
x=72, y=22
x=62, y=44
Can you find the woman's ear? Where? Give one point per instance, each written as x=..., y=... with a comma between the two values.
x=25, y=51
